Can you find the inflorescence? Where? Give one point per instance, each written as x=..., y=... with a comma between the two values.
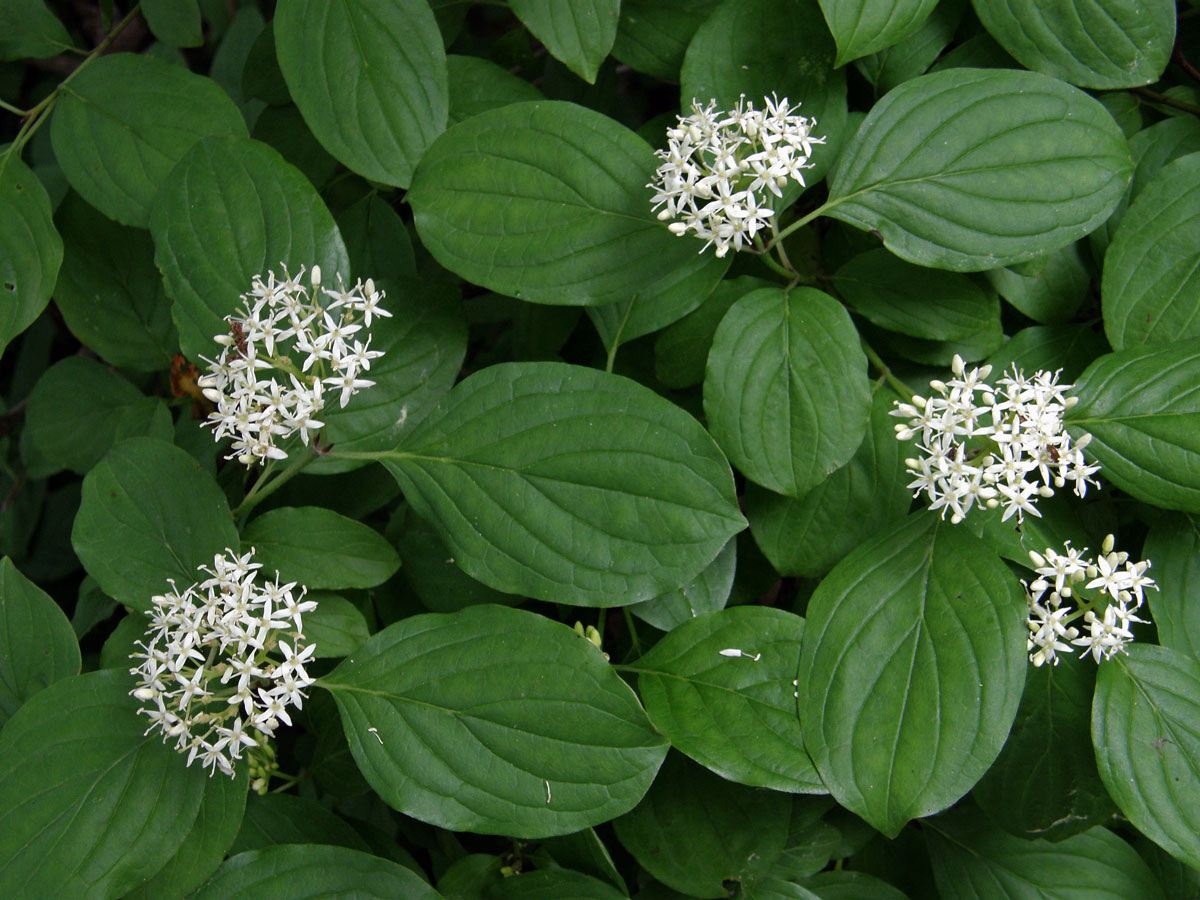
x=221, y=663
x=1119, y=584
x=283, y=351
x=717, y=164
x=993, y=446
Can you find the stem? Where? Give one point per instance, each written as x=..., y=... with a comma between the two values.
x=633, y=635
x=777, y=243
x=1185, y=65
x=895, y=383
x=263, y=490
x=1168, y=101
x=800, y=223
x=38, y=115
x=15, y=110
x=616, y=341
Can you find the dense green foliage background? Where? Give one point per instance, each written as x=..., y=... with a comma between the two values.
x=801, y=684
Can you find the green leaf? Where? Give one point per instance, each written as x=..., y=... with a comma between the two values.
x=1104, y=44
x=554, y=884
x=29, y=29
x=1071, y=348
x=973, y=169
x=1142, y=408
x=972, y=860
x=78, y=409
x=846, y=884
x=495, y=720
x=911, y=670
x=320, y=548
x=584, y=852
x=424, y=343
x=681, y=351
x=89, y=806
x=477, y=85
x=695, y=832
x=707, y=592
x=923, y=303
x=786, y=394
x=1151, y=286
x=807, y=535
x=37, y=643
x=547, y=202
x=429, y=569
x=1173, y=545
x=369, y=77
x=287, y=819
x=233, y=209
x=1049, y=288
x=313, y=872
x=569, y=484
x=149, y=513
x=32, y=251
x=1147, y=738
x=864, y=26
x=760, y=47
x=212, y=834
x=336, y=626
x=174, y=22
x=1044, y=783
x=578, y=33
x=120, y=127
x=653, y=35
x=378, y=242
x=913, y=55
x=734, y=714
x=109, y=292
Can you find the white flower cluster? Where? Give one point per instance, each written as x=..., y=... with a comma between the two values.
x=283, y=352
x=993, y=446
x=222, y=661
x=1119, y=582
x=717, y=164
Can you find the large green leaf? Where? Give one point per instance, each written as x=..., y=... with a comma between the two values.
x=1146, y=730
x=864, y=26
x=696, y=832
x=175, y=22
x=972, y=860
x=109, y=292
x=786, y=393
x=1151, y=286
x=652, y=35
x=569, y=484
x=477, y=85
x=495, y=720
x=1044, y=783
x=734, y=713
x=233, y=209
x=31, y=250
x=1173, y=545
x=554, y=884
x=201, y=852
x=149, y=513
x=37, y=644
x=320, y=548
x=1047, y=288
x=911, y=670
x=707, y=592
x=807, y=535
x=971, y=169
x=313, y=872
x=579, y=33
x=369, y=77
x=1142, y=408
x=547, y=201
x=78, y=409
x=913, y=55
x=89, y=805
x=1094, y=44
x=28, y=28
x=288, y=819
x=122, y=125
x=911, y=300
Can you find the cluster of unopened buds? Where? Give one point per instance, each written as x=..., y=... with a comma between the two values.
x=993, y=446
x=721, y=168
x=283, y=352
x=1118, y=584
x=222, y=662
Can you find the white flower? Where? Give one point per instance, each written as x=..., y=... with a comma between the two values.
x=268, y=382
x=717, y=163
x=993, y=446
x=209, y=667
